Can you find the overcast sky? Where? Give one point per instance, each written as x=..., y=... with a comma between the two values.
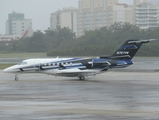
x=37, y=10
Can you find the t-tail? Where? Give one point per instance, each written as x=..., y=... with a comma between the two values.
x=129, y=49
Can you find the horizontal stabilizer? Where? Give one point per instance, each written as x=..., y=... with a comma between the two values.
x=141, y=41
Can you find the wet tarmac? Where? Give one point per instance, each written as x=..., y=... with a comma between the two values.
x=109, y=96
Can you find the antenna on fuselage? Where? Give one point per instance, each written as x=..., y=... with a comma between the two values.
x=57, y=57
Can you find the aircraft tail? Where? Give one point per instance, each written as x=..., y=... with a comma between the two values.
x=129, y=49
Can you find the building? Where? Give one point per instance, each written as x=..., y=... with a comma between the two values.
x=155, y=2
x=11, y=17
x=137, y=2
x=55, y=20
x=64, y=18
x=147, y=16
x=28, y=32
x=123, y=13
x=94, y=14
x=9, y=37
x=17, y=24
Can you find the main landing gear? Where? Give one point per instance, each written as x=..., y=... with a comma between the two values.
x=82, y=77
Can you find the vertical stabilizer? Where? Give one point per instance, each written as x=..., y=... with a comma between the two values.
x=129, y=49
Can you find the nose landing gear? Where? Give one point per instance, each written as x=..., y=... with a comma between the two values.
x=16, y=77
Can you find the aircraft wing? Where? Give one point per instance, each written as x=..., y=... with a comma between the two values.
x=77, y=72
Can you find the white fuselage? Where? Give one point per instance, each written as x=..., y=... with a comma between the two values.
x=56, y=66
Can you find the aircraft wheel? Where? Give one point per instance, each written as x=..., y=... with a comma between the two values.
x=16, y=78
x=82, y=77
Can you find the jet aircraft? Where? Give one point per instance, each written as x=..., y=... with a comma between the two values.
x=80, y=67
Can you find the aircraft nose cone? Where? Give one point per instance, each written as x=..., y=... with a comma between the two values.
x=8, y=70
x=5, y=70
x=11, y=69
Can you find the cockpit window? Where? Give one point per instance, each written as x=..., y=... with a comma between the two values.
x=22, y=63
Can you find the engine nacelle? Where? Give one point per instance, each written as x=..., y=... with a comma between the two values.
x=101, y=62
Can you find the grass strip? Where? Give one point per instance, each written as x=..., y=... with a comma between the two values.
x=22, y=55
x=3, y=66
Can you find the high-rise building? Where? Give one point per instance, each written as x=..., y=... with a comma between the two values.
x=147, y=16
x=155, y=2
x=64, y=18
x=137, y=2
x=122, y=13
x=17, y=24
x=55, y=20
x=94, y=14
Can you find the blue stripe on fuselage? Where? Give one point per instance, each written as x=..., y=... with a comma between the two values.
x=124, y=62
